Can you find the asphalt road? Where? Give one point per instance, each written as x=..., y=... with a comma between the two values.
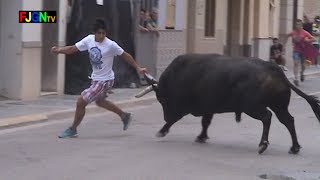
x=104, y=151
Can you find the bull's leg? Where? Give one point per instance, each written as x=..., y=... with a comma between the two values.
x=285, y=118
x=265, y=116
x=206, y=121
x=165, y=129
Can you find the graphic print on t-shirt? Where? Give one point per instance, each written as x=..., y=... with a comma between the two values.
x=95, y=57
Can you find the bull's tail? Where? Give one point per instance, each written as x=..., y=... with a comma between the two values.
x=312, y=100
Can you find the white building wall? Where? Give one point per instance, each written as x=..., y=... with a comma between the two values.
x=20, y=51
x=276, y=19
x=31, y=32
x=301, y=8
x=31, y=55
x=171, y=43
x=312, y=8
x=262, y=29
x=62, y=20
x=215, y=44
x=222, y=19
x=10, y=49
x=286, y=20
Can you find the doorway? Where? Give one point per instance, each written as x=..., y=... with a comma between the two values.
x=119, y=29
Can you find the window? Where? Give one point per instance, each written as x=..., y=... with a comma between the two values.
x=150, y=16
x=210, y=18
x=170, y=14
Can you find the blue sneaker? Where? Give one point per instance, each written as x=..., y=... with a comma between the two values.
x=69, y=132
x=126, y=119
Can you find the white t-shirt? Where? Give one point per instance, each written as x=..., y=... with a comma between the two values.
x=101, y=56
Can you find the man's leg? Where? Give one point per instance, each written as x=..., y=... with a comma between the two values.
x=296, y=63
x=102, y=102
x=80, y=112
x=109, y=106
x=125, y=117
x=87, y=96
x=303, y=67
x=316, y=58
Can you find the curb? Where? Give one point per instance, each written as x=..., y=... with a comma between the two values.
x=62, y=114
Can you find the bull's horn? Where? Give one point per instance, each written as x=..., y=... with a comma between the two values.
x=144, y=92
x=150, y=79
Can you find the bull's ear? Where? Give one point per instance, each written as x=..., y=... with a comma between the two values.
x=150, y=80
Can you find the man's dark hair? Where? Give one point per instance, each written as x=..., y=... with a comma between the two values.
x=143, y=10
x=274, y=39
x=299, y=20
x=99, y=24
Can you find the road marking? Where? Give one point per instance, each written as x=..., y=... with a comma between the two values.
x=53, y=122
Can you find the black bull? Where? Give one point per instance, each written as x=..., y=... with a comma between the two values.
x=206, y=84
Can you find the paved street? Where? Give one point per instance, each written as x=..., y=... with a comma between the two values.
x=104, y=151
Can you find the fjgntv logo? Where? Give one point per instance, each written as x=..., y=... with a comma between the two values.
x=37, y=16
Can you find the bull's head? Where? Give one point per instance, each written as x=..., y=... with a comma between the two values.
x=153, y=85
x=169, y=109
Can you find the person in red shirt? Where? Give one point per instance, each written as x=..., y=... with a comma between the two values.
x=301, y=40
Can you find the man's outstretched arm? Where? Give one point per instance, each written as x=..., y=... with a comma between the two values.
x=64, y=50
x=127, y=57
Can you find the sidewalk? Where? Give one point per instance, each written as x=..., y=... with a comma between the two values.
x=15, y=112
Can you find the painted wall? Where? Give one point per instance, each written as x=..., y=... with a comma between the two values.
x=267, y=24
x=10, y=49
x=20, y=51
x=275, y=20
x=286, y=23
x=215, y=44
x=61, y=40
x=31, y=55
x=171, y=42
x=312, y=8
x=301, y=8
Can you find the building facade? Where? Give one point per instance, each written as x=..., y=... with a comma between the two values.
x=26, y=70
x=233, y=27
x=312, y=8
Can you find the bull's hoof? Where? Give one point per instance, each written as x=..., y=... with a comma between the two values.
x=201, y=139
x=161, y=134
x=294, y=149
x=263, y=146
